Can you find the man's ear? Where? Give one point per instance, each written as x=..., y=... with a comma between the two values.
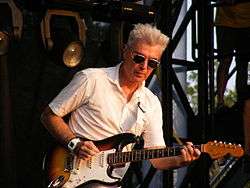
x=124, y=47
x=124, y=50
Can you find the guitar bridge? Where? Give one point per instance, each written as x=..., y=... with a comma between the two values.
x=69, y=163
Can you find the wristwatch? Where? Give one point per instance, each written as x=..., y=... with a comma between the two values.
x=73, y=143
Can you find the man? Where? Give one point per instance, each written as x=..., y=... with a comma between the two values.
x=108, y=101
x=233, y=34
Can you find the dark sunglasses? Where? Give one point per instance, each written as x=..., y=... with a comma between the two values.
x=139, y=58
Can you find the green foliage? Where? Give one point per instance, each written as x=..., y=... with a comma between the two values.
x=192, y=90
x=230, y=97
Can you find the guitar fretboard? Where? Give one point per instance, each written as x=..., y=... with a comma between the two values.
x=144, y=154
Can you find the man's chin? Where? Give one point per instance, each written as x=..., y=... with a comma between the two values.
x=139, y=79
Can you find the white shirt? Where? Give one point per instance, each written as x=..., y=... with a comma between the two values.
x=99, y=108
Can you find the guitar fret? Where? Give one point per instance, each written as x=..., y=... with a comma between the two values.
x=143, y=155
x=134, y=155
x=162, y=153
x=172, y=150
x=128, y=157
x=112, y=156
x=149, y=154
x=116, y=158
x=123, y=157
x=158, y=152
x=119, y=159
x=113, y=159
x=137, y=155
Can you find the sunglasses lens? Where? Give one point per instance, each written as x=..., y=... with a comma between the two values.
x=138, y=59
x=153, y=63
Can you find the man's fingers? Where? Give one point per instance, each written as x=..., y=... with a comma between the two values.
x=195, y=152
x=91, y=146
x=87, y=149
x=189, y=152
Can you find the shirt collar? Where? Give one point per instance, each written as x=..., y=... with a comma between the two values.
x=113, y=75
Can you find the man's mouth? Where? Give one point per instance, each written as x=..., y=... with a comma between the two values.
x=140, y=74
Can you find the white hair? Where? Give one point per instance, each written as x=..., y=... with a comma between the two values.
x=149, y=34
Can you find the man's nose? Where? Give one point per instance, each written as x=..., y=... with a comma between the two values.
x=144, y=64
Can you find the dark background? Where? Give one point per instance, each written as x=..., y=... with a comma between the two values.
x=31, y=77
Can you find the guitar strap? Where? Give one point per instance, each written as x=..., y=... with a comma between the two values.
x=177, y=138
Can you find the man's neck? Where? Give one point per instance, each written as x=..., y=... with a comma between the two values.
x=127, y=86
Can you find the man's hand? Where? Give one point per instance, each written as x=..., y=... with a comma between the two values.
x=189, y=153
x=86, y=150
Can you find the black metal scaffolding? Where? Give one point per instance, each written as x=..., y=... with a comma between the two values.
x=200, y=15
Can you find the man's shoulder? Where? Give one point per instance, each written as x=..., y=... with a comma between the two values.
x=94, y=72
x=149, y=95
x=149, y=101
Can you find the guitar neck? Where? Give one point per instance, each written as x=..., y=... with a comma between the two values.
x=144, y=154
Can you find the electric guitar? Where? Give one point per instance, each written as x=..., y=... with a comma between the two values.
x=64, y=169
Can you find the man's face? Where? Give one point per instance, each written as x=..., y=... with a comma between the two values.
x=140, y=60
